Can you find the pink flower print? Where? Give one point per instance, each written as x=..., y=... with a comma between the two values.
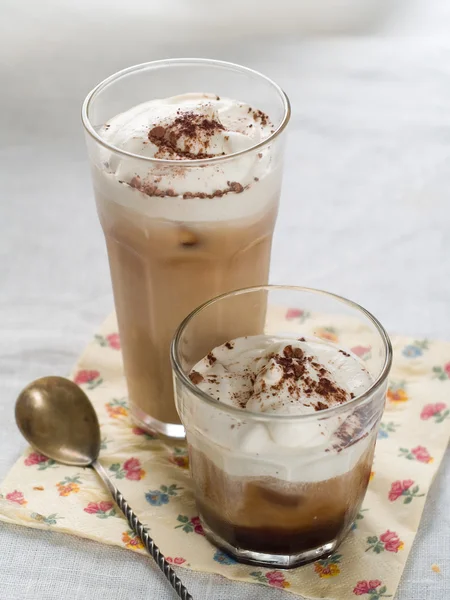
x=91, y=378
x=131, y=464
x=102, y=509
x=145, y=434
x=277, y=579
x=105, y=505
x=176, y=561
x=398, y=487
x=188, y=525
x=35, y=459
x=421, y=454
x=391, y=541
x=198, y=528
x=16, y=497
x=437, y=411
x=388, y=541
x=366, y=587
x=131, y=469
x=431, y=409
x=442, y=373
x=403, y=488
x=138, y=431
x=85, y=376
x=113, y=340
x=361, y=351
x=273, y=578
x=372, y=588
x=135, y=475
x=94, y=507
x=294, y=313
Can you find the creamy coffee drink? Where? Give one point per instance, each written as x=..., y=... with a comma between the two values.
x=183, y=227
x=280, y=486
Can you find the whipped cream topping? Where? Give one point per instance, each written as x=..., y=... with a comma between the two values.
x=269, y=375
x=191, y=126
x=188, y=127
x=281, y=376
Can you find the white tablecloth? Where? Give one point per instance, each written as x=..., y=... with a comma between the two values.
x=365, y=213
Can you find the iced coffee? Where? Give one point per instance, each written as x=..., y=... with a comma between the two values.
x=281, y=433
x=187, y=190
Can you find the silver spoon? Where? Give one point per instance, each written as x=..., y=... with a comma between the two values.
x=57, y=418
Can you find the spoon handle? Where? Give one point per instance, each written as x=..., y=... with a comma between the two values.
x=143, y=533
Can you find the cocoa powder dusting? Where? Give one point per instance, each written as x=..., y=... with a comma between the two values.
x=258, y=115
x=320, y=406
x=136, y=182
x=195, y=377
x=189, y=137
x=192, y=129
x=293, y=363
x=235, y=186
x=330, y=390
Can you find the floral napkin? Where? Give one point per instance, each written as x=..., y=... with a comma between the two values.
x=153, y=475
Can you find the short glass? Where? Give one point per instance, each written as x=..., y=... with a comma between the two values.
x=170, y=253
x=291, y=502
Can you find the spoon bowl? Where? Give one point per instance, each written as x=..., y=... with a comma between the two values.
x=58, y=419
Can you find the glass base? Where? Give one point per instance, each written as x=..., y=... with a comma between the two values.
x=260, y=559
x=152, y=426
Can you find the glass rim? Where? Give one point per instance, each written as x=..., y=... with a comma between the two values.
x=241, y=413
x=182, y=61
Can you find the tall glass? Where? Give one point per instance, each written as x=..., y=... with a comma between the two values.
x=272, y=489
x=169, y=253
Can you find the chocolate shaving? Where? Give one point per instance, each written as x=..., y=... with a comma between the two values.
x=298, y=353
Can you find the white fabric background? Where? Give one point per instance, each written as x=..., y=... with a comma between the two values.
x=365, y=213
